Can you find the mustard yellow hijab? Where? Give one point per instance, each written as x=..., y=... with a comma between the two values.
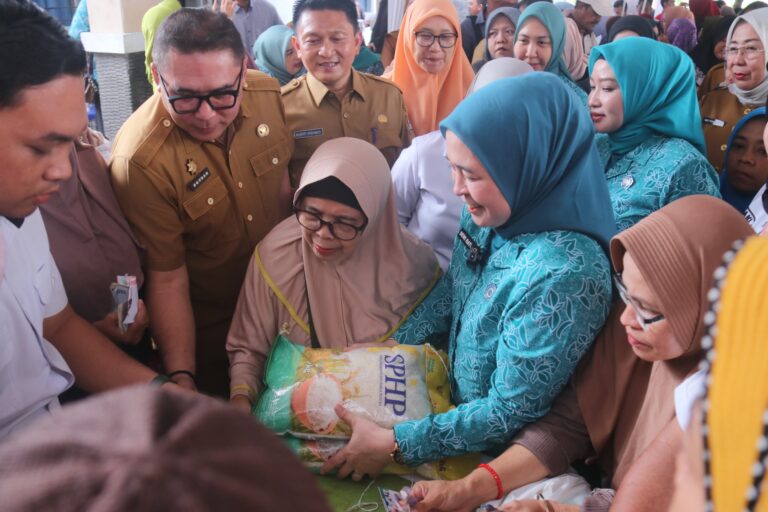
x=737, y=400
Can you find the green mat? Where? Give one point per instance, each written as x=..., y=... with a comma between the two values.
x=343, y=494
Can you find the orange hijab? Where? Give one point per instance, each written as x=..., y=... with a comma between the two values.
x=429, y=98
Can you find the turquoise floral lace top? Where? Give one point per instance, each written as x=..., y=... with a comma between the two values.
x=514, y=325
x=654, y=174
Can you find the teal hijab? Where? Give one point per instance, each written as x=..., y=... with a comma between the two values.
x=551, y=17
x=545, y=163
x=658, y=87
x=269, y=52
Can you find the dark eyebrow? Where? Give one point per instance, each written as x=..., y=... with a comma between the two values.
x=60, y=138
x=57, y=137
x=229, y=87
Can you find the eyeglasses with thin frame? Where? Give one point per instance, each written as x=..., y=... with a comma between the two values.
x=427, y=39
x=217, y=100
x=339, y=229
x=644, y=318
x=750, y=52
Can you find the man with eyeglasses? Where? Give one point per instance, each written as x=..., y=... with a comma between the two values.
x=333, y=100
x=201, y=173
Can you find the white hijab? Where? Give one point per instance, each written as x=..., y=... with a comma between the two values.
x=758, y=19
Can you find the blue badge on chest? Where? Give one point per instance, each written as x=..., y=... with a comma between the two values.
x=305, y=134
x=199, y=179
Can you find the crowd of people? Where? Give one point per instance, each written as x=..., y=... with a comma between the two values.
x=566, y=200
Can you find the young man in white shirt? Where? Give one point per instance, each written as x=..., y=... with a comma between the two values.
x=44, y=345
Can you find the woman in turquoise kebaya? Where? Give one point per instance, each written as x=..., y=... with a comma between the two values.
x=540, y=39
x=528, y=286
x=643, y=103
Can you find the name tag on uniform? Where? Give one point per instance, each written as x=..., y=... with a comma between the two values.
x=714, y=122
x=199, y=179
x=305, y=134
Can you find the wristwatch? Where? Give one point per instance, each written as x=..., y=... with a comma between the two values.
x=396, y=455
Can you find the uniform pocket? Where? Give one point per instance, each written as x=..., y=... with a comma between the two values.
x=208, y=197
x=275, y=157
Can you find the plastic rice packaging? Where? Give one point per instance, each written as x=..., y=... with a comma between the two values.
x=388, y=385
x=385, y=384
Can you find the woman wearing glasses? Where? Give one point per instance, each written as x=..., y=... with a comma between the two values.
x=539, y=41
x=619, y=409
x=432, y=74
x=340, y=271
x=746, y=85
x=643, y=105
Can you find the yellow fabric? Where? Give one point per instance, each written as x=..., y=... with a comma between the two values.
x=739, y=393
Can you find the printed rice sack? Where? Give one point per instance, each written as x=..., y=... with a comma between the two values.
x=385, y=384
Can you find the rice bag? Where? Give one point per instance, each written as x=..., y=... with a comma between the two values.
x=388, y=385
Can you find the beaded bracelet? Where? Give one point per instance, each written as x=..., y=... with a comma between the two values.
x=496, y=478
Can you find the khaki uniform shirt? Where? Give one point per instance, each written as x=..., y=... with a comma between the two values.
x=373, y=110
x=720, y=111
x=205, y=204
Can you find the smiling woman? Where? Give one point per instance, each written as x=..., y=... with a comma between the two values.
x=432, y=74
x=539, y=41
x=747, y=87
x=340, y=271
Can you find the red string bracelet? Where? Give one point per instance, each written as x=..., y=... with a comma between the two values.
x=496, y=478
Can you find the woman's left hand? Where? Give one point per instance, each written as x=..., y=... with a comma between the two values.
x=367, y=451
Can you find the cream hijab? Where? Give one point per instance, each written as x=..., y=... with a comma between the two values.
x=367, y=296
x=758, y=19
x=627, y=402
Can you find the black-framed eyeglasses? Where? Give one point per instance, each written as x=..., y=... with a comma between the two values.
x=217, y=100
x=427, y=39
x=644, y=318
x=339, y=229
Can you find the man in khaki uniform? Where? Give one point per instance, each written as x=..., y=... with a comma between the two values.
x=200, y=171
x=333, y=100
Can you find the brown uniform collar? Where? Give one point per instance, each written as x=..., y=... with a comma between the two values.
x=318, y=90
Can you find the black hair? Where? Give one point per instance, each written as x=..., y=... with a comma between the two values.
x=345, y=6
x=34, y=50
x=334, y=189
x=196, y=30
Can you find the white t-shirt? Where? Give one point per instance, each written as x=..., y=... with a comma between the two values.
x=32, y=372
x=426, y=204
x=756, y=214
x=686, y=394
